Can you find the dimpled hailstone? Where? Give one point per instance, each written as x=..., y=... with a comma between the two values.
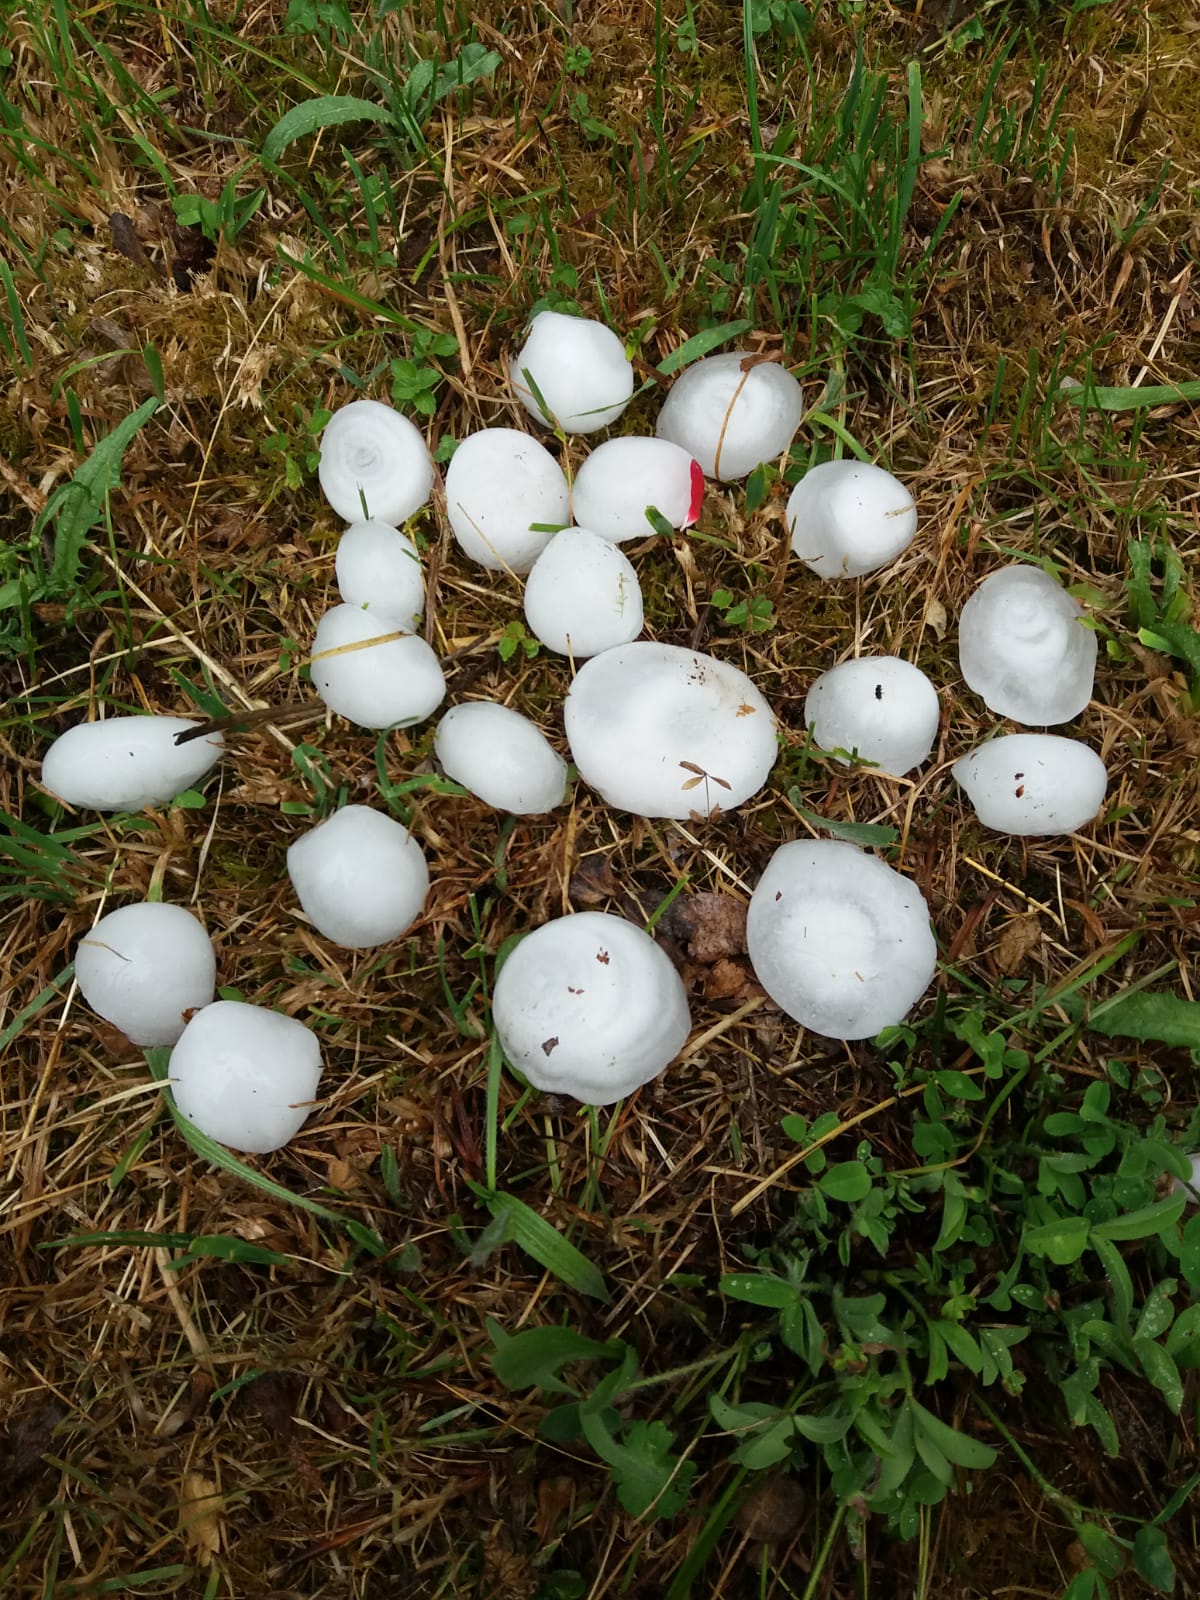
x=839, y=940
x=369, y=452
x=623, y=478
x=730, y=420
x=126, y=763
x=501, y=757
x=142, y=966
x=583, y=596
x=848, y=518
x=665, y=732
x=501, y=485
x=361, y=877
x=395, y=682
x=1033, y=783
x=590, y=1006
x=879, y=708
x=1023, y=647
x=244, y=1075
x=380, y=567
x=579, y=368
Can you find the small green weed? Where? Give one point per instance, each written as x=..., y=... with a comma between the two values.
x=415, y=380
x=515, y=640
x=755, y=614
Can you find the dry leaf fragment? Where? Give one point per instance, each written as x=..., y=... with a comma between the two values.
x=1018, y=941
x=200, y=1516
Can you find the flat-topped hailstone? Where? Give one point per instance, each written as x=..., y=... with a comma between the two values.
x=374, y=464
x=579, y=369
x=143, y=966
x=501, y=757
x=360, y=876
x=849, y=518
x=380, y=568
x=590, y=1006
x=393, y=682
x=839, y=940
x=731, y=417
x=624, y=478
x=1024, y=646
x=505, y=496
x=1033, y=784
x=127, y=763
x=666, y=732
x=880, y=708
x=245, y=1075
x=583, y=595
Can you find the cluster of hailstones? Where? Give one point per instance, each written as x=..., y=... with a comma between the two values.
x=588, y=1004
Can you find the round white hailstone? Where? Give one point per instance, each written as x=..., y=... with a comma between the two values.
x=848, y=518
x=583, y=595
x=1023, y=645
x=1189, y=1187
x=127, y=763
x=395, y=682
x=623, y=478
x=590, y=1006
x=578, y=367
x=244, y=1075
x=380, y=568
x=360, y=876
x=665, y=732
x=505, y=496
x=839, y=940
x=1033, y=784
x=729, y=418
x=142, y=966
x=372, y=454
x=879, y=708
x=501, y=757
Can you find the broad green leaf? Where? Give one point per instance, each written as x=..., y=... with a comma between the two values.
x=1183, y=1341
x=933, y=1459
x=1118, y=1276
x=767, y=1448
x=745, y=1414
x=1167, y=1018
x=1158, y=1313
x=534, y=1357
x=1161, y=1371
x=77, y=506
x=864, y=833
x=542, y=1240
x=757, y=1289
x=1063, y=1240
x=961, y=1448
x=848, y=1180
x=824, y=1428
x=702, y=344
x=1140, y=1224
x=1102, y=1548
x=963, y=1345
x=646, y=1473
x=325, y=111
x=1152, y=1559
x=1127, y=398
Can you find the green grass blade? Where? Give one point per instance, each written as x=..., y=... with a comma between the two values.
x=1131, y=399
x=701, y=344
x=542, y=1240
x=326, y=111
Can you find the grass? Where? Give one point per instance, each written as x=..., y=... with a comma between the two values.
x=916, y=1317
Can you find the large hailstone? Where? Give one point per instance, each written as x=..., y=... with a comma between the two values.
x=1024, y=647
x=374, y=464
x=623, y=479
x=360, y=876
x=590, y=1006
x=667, y=732
x=370, y=676
x=839, y=940
x=143, y=966
x=1033, y=784
x=505, y=496
x=583, y=595
x=578, y=368
x=127, y=763
x=501, y=757
x=880, y=708
x=848, y=518
x=730, y=417
x=379, y=568
x=244, y=1075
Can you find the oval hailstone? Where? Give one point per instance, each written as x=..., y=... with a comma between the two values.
x=879, y=708
x=731, y=419
x=583, y=595
x=590, y=1006
x=244, y=1075
x=839, y=940
x=360, y=876
x=579, y=368
x=372, y=454
x=665, y=732
x=849, y=518
x=501, y=758
x=379, y=568
x=505, y=496
x=394, y=682
x=623, y=478
x=142, y=966
x=1033, y=784
x=127, y=763
x=1024, y=647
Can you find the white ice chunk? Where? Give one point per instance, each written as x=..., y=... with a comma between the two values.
x=578, y=367
x=370, y=677
x=583, y=595
x=505, y=496
x=142, y=966
x=731, y=417
x=374, y=464
x=501, y=757
x=380, y=568
x=360, y=876
x=1024, y=647
x=623, y=478
x=127, y=763
x=1033, y=783
x=880, y=708
x=849, y=518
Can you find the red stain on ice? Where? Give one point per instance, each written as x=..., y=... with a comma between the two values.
x=697, y=501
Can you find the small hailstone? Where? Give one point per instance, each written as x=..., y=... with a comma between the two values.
x=127, y=763
x=623, y=478
x=1023, y=646
x=1189, y=1187
x=244, y=1075
x=579, y=369
x=143, y=966
x=848, y=518
x=501, y=757
x=1033, y=784
x=380, y=568
x=879, y=708
x=730, y=417
x=505, y=496
x=590, y=1006
x=360, y=876
x=583, y=595
x=374, y=464
x=396, y=681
